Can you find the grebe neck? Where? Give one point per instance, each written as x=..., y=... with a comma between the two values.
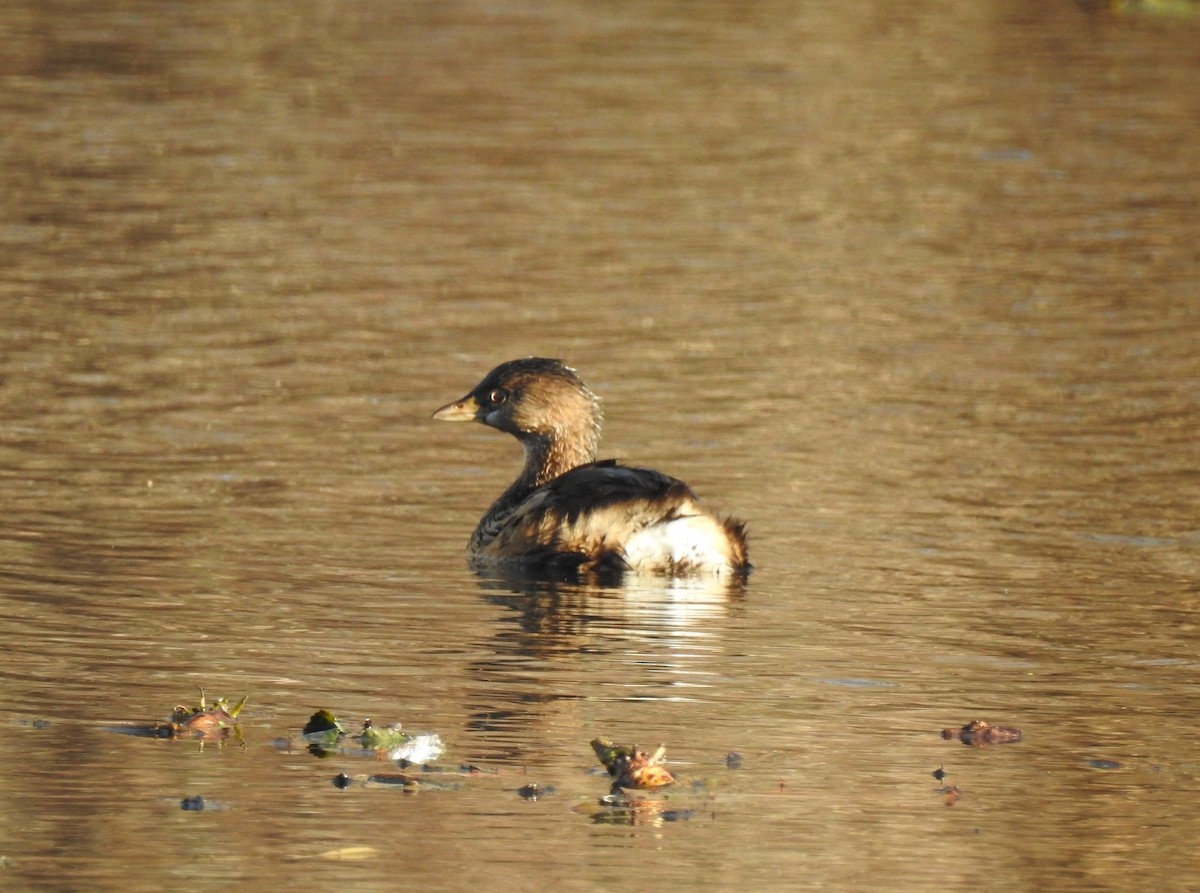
x=547, y=457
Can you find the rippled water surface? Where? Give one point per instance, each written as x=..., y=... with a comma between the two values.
x=911, y=288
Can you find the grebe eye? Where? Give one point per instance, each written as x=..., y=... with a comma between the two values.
x=497, y=397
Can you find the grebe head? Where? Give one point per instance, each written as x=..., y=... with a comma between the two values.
x=533, y=399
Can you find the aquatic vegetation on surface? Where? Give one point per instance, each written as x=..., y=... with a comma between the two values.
x=635, y=795
x=201, y=721
x=322, y=722
x=632, y=768
x=326, y=736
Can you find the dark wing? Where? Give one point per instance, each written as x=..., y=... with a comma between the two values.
x=649, y=495
x=586, y=515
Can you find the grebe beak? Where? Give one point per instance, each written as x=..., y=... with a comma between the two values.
x=464, y=410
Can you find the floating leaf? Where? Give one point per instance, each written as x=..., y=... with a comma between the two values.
x=644, y=777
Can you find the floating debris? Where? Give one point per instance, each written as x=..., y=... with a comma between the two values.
x=418, y=750
x=387, y=779
x=733, y=760
x=610, y=754
x=409, y=784
x=632, y=768
x=375, y=737
x=198, y=803
x=326, y=736
x=950, y=794
x=322, y=722
x=534, y=791
x=978, y=733
x=395, y=780
x=200, y=721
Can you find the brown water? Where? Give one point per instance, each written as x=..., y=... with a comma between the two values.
x=912, y=288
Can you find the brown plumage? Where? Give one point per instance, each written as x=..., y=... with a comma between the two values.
x=567, y=510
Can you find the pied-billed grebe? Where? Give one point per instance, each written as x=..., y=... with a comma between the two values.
x=566, y=509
